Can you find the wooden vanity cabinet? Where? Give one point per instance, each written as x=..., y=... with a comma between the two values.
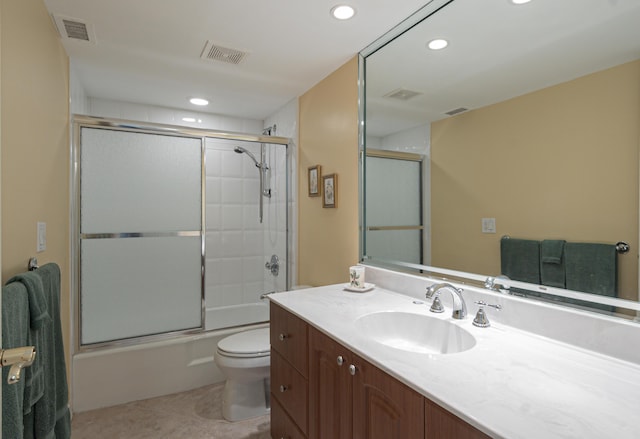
x=289, y=375
x=351, y=398
x=332, y=393
x=442, y=424
x=330, y=385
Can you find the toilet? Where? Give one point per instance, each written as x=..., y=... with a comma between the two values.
x=244, y=359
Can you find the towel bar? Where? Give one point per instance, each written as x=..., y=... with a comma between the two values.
x=621, y=246
x=33, y=264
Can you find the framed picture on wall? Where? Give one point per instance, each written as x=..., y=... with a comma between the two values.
x=330, y=190
x=314, y=181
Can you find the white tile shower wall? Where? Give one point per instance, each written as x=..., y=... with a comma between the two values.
x=234, y=236
x=414, y=140
x=286, y=122
x=78, y=100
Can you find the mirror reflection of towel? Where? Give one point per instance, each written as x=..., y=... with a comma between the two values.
x=552, y=270
x=592, y=268
x=520, y=259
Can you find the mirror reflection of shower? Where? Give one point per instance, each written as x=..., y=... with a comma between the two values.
x=263, y=168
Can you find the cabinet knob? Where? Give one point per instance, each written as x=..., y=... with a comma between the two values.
x=340, y=360
x=282, y=337
x=352, y=369
x=283, y=388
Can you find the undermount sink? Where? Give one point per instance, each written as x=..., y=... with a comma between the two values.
x=415, y=332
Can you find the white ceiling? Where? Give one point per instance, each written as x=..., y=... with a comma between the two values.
x=148, y=51
x=497, y=51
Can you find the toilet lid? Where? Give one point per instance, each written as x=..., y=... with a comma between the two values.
x=254, y=342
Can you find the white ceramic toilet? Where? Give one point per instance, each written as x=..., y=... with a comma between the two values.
x=244, y=359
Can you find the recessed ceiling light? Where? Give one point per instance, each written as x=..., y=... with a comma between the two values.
x=520, y=2
x=188, y=119
x=437, y=44
x=343, y=12
x=199, y=101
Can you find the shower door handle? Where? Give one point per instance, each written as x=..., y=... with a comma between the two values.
x=273, y=265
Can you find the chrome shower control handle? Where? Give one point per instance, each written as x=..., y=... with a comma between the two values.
x=340, y=360
x=273, y=265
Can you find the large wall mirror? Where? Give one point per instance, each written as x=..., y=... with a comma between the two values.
x=526, y=128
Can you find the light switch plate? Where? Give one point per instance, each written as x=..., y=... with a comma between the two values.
x=42, y=237
x=488, y=225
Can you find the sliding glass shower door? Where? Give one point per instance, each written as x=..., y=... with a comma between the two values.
x=394, y=207
x=141, y=231
x=177, y=232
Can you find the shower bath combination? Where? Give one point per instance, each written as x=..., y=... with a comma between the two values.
x=263, y=169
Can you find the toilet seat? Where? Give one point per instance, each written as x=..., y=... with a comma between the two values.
x=247, y=344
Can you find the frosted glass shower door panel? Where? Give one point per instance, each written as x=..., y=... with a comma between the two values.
x=395, y=245
x=139, y=286
x=138, y=182
x=393, y=209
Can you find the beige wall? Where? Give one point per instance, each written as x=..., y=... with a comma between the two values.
x=35, y=142
x=328, y=136
x=546, y=165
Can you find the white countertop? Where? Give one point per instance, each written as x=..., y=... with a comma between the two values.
x=511, y=384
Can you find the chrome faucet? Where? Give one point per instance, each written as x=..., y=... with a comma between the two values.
x=459, y=307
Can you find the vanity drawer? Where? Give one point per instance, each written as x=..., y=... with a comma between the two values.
x=289, y=337
x=290, y=389
x=281, y=424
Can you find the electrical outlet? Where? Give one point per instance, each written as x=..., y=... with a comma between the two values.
x=488, y=225
x=42, y=237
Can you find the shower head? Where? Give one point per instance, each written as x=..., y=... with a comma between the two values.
x=241, y=150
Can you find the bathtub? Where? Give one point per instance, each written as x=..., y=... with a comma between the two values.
x=116, y=375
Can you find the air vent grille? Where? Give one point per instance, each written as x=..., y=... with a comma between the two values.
x=215, y=52
x=74, y=29
x=402, y=94
x=456, y=111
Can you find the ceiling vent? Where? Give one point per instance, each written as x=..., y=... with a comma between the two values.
x=402, y=94
x=215, y=52
x=74, y=29
x=456, y=111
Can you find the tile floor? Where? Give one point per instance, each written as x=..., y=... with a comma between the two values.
x=196, y=414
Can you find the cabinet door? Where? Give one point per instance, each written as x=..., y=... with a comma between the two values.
x=330, y=406
x=289, y=388
x=383, y=407
x=289, y=337
x=441, y=424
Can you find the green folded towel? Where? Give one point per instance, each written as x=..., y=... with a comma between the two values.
x=552, y=270
x=45, y=405
x=40, y=320
x=15, y=333
x=520, y=259
x=592, y=268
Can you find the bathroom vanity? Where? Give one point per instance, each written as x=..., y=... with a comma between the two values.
x=334, y=393
x=336, y=376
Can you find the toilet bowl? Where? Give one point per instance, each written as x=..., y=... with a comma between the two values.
x=244, y=359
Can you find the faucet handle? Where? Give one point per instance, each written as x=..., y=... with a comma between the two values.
x=481, y=320
x=436, y=306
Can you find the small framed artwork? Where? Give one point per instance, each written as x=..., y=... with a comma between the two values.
x=314, y=181
x=329, y=190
